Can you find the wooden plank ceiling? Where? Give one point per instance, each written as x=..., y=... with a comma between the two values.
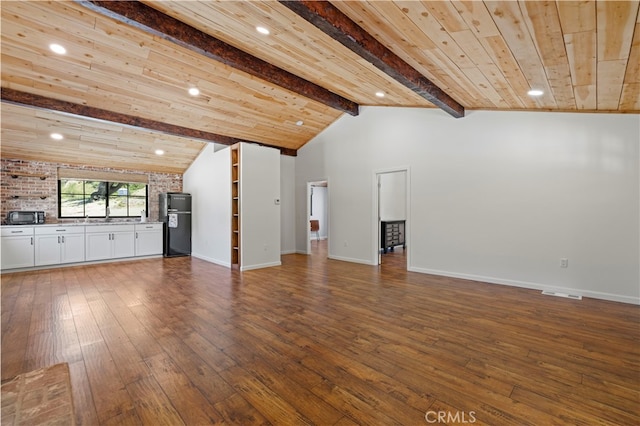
x=584, y=56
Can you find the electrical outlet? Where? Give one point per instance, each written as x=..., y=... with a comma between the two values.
x=564, y=262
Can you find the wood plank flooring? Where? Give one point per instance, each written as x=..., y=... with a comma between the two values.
x=317, y=341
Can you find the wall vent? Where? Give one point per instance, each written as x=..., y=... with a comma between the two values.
x=565, y=295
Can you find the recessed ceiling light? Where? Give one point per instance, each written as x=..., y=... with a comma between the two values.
x=56, y=48
x=56, y=136
x=380, y=94
x=535, y=92
x=159, y=152
x=262, y=30
x=194, y=91
x=299, y=123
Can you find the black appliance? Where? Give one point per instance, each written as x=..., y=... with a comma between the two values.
x=25, y=218
x=175, y=213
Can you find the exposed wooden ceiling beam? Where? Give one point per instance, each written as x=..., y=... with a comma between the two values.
x=31, y=100
x=336, y=24
x=158, y=24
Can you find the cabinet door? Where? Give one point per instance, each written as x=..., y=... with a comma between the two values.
x=123, y=244
x=17, y=252
x=98, y=246
x=48, y=249
x=148, y=242
x=72, y=248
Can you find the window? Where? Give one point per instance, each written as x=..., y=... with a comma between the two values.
x=78, y=198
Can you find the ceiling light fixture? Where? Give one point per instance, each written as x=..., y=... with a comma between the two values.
x=535, y=92
x=380, y=94
x=159, y=152
x=194, y=91
x=299, y=123
x=262, y=30
x=56, y=136
x=56, y=48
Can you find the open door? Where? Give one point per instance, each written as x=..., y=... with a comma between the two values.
x=392, y=213
x=318, y=216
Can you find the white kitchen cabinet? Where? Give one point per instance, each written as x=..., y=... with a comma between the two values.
x=148, y=239
x=59, y=244
x=109, y=241
x=17, y=247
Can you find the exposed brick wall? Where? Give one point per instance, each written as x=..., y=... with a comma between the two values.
x=29, y=188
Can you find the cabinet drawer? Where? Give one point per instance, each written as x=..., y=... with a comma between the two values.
x=108, y=228
x=59, y=230
x=148, y=226
x=17, y=230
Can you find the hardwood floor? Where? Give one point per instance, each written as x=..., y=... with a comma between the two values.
x=317, y=341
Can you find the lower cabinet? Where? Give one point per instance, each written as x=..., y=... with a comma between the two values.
x=148, y=239
x=110, y=241
x=55, y=245
x=17, y=247
x=42, y=245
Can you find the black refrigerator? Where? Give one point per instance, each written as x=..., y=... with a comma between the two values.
x=175, y=213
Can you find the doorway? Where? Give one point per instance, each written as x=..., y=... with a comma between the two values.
x=318, y=217
x=392, y=201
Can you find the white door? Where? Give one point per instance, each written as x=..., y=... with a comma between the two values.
x=72, y=248
x=48, y=249
x=123, y=244
x=17, y=252
x=98, y=245
x=148, y=242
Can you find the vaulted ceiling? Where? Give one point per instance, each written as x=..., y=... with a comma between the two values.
x=120, y=90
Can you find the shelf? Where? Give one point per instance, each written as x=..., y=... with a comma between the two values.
x=15, y=175
x=41, y=196
x=235, y=205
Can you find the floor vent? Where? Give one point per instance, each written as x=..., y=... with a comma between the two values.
x=568, y=296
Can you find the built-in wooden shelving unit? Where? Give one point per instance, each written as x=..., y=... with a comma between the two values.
x=235, y=205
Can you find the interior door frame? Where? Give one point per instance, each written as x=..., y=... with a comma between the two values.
x=376, y=211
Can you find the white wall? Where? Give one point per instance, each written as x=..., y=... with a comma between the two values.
x=208, y=179
x=259, y=213
x=495, y=196
x=320, y=194
x=393, y=193
x=287, y=205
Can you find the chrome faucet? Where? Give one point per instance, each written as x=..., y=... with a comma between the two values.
x=108, y=213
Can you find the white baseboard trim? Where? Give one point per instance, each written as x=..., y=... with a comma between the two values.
x=288, y=252
x=531, y=285
x=349, y=259
x=212, y=260
x=259, y=266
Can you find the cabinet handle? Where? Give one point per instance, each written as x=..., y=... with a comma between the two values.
x=31, y=240
x=63, y=239
x=58, y=239
x=136, y=235
x=17, y=232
